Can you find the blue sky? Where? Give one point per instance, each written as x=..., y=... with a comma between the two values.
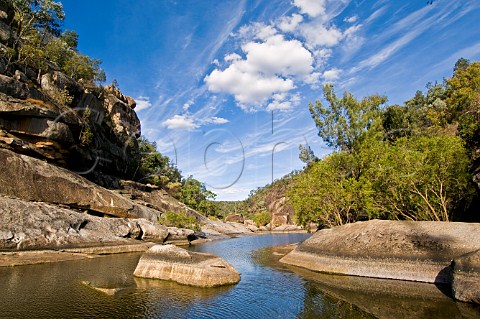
x=223, y=86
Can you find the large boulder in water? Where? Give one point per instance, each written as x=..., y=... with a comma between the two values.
x=168, y=262
x=405, y=250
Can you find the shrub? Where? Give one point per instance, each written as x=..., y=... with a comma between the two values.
x=262, y=219
x=179, y=220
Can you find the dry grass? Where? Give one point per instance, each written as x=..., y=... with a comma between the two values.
x=39, y=102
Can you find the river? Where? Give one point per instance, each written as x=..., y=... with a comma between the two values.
x=267, y=289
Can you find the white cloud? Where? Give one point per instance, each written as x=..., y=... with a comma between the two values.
x=269, y=67
x=313, y=79
x=232, y=57
x=180, y=122
x=277, y=56
x=351, y=19
x=247, y=87
x=289, y=24
x=332, y=74
x=142, y=103
x=283, y=102
x=313, y=8
x=217, y=120
x=318, y=35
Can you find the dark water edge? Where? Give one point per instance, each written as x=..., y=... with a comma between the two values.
x=268, y=289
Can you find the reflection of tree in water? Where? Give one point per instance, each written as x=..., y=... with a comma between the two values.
x=317, y=304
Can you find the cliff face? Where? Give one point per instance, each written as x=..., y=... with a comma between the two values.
x=46, y=114
x=90, y=130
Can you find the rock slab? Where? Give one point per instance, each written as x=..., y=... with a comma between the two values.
x=36, y=225
x=168, y=262
x=404, y=250
x=466, y=277
x=31, y=179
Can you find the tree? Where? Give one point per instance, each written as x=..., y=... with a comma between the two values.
x=193, y=193
x=70, y=38
x=44, y=16
x=463, y=99
x=153, y=167
x=328, y=194
x=81, y=67
x=418, y=178
x=346, y=120
x=306, y=154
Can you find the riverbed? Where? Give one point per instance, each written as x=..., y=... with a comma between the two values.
x=267, y=289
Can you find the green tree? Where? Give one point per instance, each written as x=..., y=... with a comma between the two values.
x=262, y=218
x=153, y=167
x=306, y=154
x=417, y=178
x=44, y=16
x=193, y=193
x=81, y=67
x=345, y=121
x=329, y=194
x=70, y=38
x=463, y=99
x=31, y=53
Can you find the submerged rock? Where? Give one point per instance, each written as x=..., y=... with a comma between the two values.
x=168, y=262
x=107, y=291
x=466, y=277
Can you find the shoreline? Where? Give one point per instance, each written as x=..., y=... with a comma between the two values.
x=12, y=258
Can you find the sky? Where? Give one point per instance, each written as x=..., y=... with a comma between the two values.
x=223, y=86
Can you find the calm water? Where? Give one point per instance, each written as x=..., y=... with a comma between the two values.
x=267, y=290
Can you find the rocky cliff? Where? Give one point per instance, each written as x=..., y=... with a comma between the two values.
x=46, y=114
x=67, y=149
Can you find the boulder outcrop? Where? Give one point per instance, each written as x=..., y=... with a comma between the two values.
x=168, y=262
x=33, y=225
x=63, y=122
x=235, y=218
x=31, y=179
x=417, y=251
x=281, y=211
x=13, y=87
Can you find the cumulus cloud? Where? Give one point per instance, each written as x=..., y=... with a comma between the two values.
x=283, y=102
x=289, y=24
x=269, y=67
x=332, y=74
x=318, y=35
x=232, y=57
x=276, y=60
x=247, y=87
x=182, y=122
x=142, y=103
x=313, y=8
x=217, y=120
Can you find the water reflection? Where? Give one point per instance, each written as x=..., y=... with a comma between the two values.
x=333, y=296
